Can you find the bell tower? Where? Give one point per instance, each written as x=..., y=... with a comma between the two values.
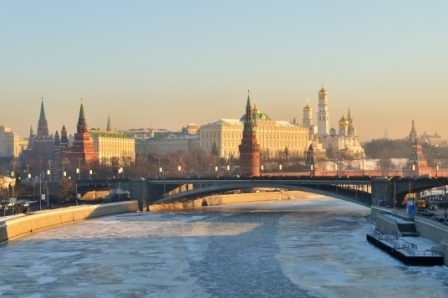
x=323, y=119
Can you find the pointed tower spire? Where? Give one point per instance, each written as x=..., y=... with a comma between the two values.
x=31, y=131
x=42, y=125
x=248, y=106
x=82, y=125
x=109, y=128
x=413, y=134
x=64, y=139
x=57, y=139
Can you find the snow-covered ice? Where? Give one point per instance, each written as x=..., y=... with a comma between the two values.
x=303, y=248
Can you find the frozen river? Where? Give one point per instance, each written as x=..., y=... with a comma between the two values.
x=310, y=248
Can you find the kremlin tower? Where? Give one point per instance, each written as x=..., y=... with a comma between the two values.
x=416, y=165
x=82, y=148
x=249, y=148
x=42, y=143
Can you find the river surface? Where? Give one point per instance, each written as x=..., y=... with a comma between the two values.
x=296, y=248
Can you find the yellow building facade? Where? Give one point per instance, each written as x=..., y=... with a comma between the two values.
x=111, y=145
x=274, y=137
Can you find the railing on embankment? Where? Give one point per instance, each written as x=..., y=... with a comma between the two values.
x=19, y=226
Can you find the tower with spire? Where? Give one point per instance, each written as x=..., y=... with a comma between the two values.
x=249, y=148
x=82, y=148
x=416, y=164
x=42, y=125
x=109, y=127
x=42, y=143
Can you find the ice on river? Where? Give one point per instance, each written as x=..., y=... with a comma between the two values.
x=296, y=248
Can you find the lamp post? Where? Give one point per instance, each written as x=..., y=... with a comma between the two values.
x=40, y=192
x=311, y=170
x=280, y=167
x=120, y=171
x=216, y=170
x=90, y=174
x=13, y=186
x=160, y=171
x=179, y=169
x=437, y=170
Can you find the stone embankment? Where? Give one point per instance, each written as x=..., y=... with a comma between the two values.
x=232, y=199
x=28, y=223
x=388, y=223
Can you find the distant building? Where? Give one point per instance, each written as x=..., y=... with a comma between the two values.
x=11, y=145
x=111, y=146
x=343, y=142
x=165, y=143
x=431, y=139
x=274, y=137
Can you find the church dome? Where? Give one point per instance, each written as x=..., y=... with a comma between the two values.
x=307, y=108
x=344, y=122
x=323, y=92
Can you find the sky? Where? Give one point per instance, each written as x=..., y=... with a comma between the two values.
x=164, y=64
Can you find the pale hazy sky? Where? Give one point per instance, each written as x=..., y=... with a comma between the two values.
x=166, y=63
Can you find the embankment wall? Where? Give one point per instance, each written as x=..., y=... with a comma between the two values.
x=26, y=224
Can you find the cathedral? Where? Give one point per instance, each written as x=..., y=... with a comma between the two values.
x=329, y=142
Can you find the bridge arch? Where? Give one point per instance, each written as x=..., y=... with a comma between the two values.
x=353, y=196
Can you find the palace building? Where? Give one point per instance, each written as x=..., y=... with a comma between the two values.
x=274, y=137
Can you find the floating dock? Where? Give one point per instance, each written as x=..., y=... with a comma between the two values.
x=405, y=251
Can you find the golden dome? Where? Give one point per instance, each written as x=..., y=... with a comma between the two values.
x=307, y=108
x=343, y=122
x=323, y=92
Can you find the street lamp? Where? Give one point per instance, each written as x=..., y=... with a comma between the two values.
x=78, y=171
x=179, y=168
x=90, y=174
x=120, y=171
x=280, y=167
x=12, y=188
x=160, y=171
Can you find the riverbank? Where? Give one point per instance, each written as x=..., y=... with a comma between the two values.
x=218, y=200
x=388, y=223
x=29, y=223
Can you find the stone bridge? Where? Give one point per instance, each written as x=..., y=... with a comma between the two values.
x=367, y=191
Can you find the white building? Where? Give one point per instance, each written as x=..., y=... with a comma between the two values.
x=323, y=115
x=344, y=141
x=11, y=145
